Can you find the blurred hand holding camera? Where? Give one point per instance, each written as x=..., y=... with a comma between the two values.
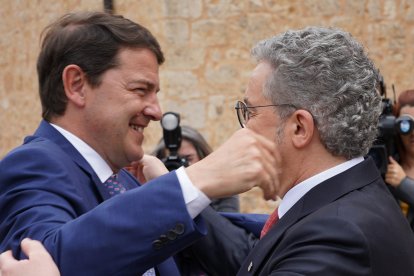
x=244, y=161
x=395, y=173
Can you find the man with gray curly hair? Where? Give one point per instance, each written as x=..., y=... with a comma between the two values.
x=314, y=92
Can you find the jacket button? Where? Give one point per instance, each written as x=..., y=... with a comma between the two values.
x=179, y=228
x=250, y=266
x=171, y=235
x=157, y=244
x=163, y=238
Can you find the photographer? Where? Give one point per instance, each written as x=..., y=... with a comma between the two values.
x=194, y=148
x=401, y=175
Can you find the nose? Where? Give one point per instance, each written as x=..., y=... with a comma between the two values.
x=153, y=109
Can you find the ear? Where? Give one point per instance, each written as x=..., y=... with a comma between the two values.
x=304, y=127
x=74, y=81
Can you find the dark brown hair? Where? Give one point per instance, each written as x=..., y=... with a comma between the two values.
x=90, y=40
x=405, y=98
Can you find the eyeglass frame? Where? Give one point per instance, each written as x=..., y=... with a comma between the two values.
x=240, y=105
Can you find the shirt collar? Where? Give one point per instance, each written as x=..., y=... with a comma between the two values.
x=299, y=190
x=98, y=164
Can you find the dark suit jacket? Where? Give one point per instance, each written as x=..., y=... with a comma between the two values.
x=347, y=225
x=49, y=192
x=405, y=192
x=221, y=252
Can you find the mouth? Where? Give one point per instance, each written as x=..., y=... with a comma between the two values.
x=137, y=128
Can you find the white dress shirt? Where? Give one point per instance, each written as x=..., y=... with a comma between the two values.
x=299, y=190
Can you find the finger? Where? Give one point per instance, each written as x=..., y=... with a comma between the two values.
x=268, y=150
x=270, y=183
x=263, y=173
x=7, y=258
x=30, y=247
x=139, y=174
x=272, y=168
x=269, y=159
x=266, y=143
x=392, y=160
x=152, y=167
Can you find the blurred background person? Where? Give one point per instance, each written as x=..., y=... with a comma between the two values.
x=400, y=175
x=194, y=148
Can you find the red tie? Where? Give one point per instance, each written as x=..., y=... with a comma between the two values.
x=274, y=217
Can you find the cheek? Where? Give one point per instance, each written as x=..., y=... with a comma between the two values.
x=255, y=125
x=263, y=130
x=196, y=159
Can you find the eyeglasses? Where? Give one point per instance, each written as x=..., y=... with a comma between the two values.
x=243, y=113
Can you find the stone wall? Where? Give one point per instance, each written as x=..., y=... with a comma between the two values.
x=206, y=43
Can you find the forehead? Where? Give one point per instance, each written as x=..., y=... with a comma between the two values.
x=407, y=110
x=257, y=80
x=187, y=146
x=139, y=64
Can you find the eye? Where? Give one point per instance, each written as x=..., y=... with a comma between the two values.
x=252, y=113
x=139, y=90
x=249, y=113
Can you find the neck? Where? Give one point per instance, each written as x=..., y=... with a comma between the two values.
x=309, y=166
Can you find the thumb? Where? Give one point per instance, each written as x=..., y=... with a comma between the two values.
x=392, y=160
x=29, y=247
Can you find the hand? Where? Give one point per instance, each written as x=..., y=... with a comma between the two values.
x=395, y=173
x=244, y=161
x=148, y=168
x=39, y=262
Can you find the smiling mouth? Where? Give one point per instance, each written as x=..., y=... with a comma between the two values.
x=137, y=128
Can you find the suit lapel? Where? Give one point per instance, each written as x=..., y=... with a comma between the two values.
x=47, y=131
x=321, y=195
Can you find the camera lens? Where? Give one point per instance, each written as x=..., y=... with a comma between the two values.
x=405, y=124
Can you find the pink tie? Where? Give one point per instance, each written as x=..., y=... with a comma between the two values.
x=113, y=186
x=274, y=217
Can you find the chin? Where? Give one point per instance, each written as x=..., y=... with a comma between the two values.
x=136, y=156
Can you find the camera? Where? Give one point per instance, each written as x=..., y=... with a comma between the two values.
x=388, y=128
x=170, y=124
x=384, y=145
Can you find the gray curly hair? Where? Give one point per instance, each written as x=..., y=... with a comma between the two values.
x=327, y=72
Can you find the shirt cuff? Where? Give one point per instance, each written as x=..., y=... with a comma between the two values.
x=195, y=200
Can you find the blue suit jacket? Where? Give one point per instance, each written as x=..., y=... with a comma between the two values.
x=49, y=192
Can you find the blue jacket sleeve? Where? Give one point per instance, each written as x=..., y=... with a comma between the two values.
x=48, y=198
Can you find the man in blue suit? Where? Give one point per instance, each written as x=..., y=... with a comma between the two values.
x=98, y=84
